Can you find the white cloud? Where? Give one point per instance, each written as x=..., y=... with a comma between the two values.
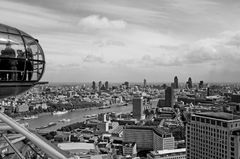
x=234, y=40
x=93, y=58
x=131, y=39
x=147, y=60
x=98, y=22
x=222, y=51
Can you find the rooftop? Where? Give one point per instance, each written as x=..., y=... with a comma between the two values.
x=129, y=144
x=73, y=146
x=159, y=131
x=166, y=152
x=219, y=115
x=118, y=130
x=65, y=153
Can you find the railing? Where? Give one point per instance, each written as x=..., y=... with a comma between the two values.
x=47, y=148
x=20, y=69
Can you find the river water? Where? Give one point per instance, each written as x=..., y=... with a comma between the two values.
x=74, y=116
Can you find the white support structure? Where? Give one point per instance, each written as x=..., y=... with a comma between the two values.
x=13, y=147
x=52, y=152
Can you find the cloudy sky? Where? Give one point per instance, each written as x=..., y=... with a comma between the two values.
x=118, y=40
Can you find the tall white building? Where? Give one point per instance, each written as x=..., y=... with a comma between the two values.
x=213, y=136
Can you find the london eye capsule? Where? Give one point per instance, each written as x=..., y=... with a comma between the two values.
x=22, y=61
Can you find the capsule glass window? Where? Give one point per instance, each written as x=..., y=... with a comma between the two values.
x=12, y=61
x=35, y=59
x=21, y=57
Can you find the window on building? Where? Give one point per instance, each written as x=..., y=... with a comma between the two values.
x=213, y=122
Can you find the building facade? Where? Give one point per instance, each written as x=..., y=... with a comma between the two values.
x=148, y=138
x=200, y=86
x=129, y=149
x=138, y=107
x=189, y=83
x=99, y=85
x=169, y=97
x=176, y=82
x=106, y=85
x=144, y=83
x=235, y=98
x=94, y=85
x=212, y=135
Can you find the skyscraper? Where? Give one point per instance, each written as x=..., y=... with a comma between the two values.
x=106, y=85
x=94, y=85
x=176, y=82
x=200, y=84
x=99, y=85
x=208, y=91
x=138, y=107
x=126, y=84
x=136, y=89
x=169, y=97
x=189, y=83
x=144, y=83
x=213, y=135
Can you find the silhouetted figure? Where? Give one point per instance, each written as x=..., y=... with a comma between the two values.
x=9, y=64
x=21, y=75
x=29, y=64
x=3, y=67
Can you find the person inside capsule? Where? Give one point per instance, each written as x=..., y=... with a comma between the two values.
x=29, y=64
x=9, y=64
x=3, y=67
x=20, y=65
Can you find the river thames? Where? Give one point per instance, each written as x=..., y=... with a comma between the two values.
x=74, y=116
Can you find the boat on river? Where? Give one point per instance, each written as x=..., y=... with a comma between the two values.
x=64, y=120
x=90, y=116
x=29, y=117
x=104, y=107
x=60, y=112
x=47, y=126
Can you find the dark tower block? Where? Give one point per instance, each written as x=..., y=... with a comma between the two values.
x=169, y=97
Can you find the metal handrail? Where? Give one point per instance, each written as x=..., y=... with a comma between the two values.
x=21, y=59
x=37, y=67
x=19, y=70
x=10, y=71
x=53, y=153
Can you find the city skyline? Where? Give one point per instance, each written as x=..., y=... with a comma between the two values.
x=132, y=40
